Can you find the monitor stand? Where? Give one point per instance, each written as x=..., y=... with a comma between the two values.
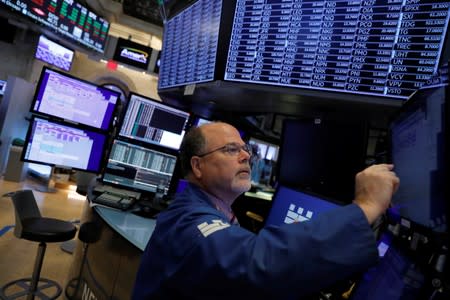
x=45, y=183
x=49, y=188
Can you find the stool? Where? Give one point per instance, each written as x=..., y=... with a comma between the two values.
x=31, y=226
x=89, y=233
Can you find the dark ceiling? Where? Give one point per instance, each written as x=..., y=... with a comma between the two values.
x=146, y=10
x=152, y=11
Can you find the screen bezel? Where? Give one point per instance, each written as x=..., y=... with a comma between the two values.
x=57, y=44
x=105, y=145
x=142, y=142
x=64, y=74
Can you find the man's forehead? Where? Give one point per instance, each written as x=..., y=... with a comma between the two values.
x=218, y=132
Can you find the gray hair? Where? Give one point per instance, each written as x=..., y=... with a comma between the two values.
x=193, y=144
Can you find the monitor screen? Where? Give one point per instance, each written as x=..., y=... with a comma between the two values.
x=56, y=144
x=379, y=48
x=2, y=87
x=417, y=150
x=132, y=54
x=67, y=17
x=139, y=168
x=53, y=53
x=292, y=206
x=265, y=150
x=322, y=156
x=154, y=122
x=63, y=96
x=190, y=44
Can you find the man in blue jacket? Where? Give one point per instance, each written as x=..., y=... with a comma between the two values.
x=198, y=251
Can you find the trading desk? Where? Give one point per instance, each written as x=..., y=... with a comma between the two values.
x=109, y=268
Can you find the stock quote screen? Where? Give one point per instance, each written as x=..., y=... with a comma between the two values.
x=190, y=45
x=375, y=47
x=68, y=18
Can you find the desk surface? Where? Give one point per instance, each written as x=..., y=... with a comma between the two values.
x=137, y=230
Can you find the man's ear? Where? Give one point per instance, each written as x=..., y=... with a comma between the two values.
x=196, y=166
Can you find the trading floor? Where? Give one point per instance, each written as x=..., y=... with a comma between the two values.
x=17, y=255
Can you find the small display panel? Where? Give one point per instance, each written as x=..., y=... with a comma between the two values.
x=53, y=53
x=139, y=168
x=132, y=54
x=154, y=122
x=190, y=44
x=67, y=17
x=72, y=99
x=292, y=206
x=380, y=48
x=56, y=144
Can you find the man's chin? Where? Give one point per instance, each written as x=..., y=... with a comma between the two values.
x=242, y=186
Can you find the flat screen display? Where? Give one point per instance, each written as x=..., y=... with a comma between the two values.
x=132, y=54
x=190, y=44
x=54, y=54
x=2, y=87
x=67, y=17
x=322, y=156
x=139, y=168
x=380, y=48
x=63, y=96
x=292, y=206
x=56, y=144
x=154, y=122
x=418, y=154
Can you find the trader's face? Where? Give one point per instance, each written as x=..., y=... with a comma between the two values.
x=225, y=174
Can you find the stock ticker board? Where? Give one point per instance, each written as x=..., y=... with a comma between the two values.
x=376, y=47
x=67, y=17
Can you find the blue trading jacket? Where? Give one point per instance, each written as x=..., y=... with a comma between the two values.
x=195, y=253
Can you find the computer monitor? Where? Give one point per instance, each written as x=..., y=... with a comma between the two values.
x=190, y=44
x=420, y=157
x=2, y=87
x=139, y=168
x=151, y=121
x=266, y=150
x=322, y=156
x=56, y=144
x=69, y=98
x=355, y=47
x=54, y=54
x=293, y=206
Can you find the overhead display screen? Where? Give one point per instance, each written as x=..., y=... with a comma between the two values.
x=190, y=45
x=53, y=53
x=375, y=47
x=68, y=18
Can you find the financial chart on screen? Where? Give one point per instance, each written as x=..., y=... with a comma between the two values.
x=190, y=44
x=68, y=18
x=58, y=144
x=153, y=122
x=53, y=53
x=138, y=167
x=73, y=99
x=381, y=48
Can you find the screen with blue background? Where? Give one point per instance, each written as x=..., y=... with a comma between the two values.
x=290, y=206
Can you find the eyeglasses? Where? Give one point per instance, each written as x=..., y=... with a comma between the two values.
x=232, y=149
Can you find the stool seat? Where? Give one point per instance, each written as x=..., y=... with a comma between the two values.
x=47, y=230
x=31, y=226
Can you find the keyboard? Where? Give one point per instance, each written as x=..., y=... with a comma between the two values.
x=101, y=188
x=114, y=201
